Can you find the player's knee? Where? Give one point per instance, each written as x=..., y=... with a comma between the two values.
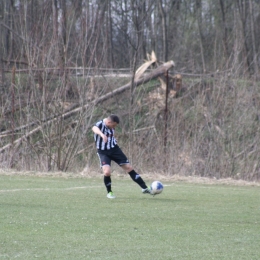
x=107, y=172
x=127, y=167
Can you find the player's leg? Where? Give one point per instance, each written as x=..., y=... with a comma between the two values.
x=105, y=164
x=107, y=177
x=136, y=177
x=120, y=158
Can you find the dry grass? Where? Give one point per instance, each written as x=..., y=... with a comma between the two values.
x=147, y=176
x=212, y=132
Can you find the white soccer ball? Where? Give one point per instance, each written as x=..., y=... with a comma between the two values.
x=156, y=187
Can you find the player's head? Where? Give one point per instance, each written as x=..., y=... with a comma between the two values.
x=114, y=118
x=112, y=121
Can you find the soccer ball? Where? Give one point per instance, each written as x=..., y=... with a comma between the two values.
x=156, y=187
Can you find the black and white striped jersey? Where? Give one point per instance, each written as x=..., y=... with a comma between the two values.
x=111, y=141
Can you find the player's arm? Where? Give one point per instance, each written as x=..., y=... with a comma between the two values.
x=97, y=131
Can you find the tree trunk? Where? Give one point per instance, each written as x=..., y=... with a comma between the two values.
x=252, y=23
x=164, y=31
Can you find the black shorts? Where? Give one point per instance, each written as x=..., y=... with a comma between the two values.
x=115, y=154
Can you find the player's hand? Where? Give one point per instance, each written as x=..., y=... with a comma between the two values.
x=104, y=137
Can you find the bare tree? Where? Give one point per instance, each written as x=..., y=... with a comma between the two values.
x=164, y=30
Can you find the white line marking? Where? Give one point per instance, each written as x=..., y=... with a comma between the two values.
x=49, y=189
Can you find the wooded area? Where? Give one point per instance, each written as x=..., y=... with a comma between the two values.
x=61, y=64
x=202, y=35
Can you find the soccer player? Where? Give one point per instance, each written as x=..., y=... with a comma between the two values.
x=108, y=150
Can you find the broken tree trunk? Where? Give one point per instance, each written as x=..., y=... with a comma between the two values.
x=141, y=80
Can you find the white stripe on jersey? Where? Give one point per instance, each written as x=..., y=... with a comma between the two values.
x=111, y=141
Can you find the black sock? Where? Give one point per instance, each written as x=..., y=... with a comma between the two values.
x=137, y=178
x=107, y=181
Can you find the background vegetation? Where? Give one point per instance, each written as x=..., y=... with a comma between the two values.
x=59, y=56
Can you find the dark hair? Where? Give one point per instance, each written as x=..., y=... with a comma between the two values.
x=114, y=118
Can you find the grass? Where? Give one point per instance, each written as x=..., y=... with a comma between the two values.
x=59, y=218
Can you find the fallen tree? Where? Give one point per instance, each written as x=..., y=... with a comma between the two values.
x=140, y=80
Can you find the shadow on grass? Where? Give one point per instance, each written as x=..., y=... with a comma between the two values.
x=153, y=199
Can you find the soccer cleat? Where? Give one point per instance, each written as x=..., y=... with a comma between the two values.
x=147, y=190
x=111, y=195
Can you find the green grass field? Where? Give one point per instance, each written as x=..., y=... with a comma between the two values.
x=59, y=218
